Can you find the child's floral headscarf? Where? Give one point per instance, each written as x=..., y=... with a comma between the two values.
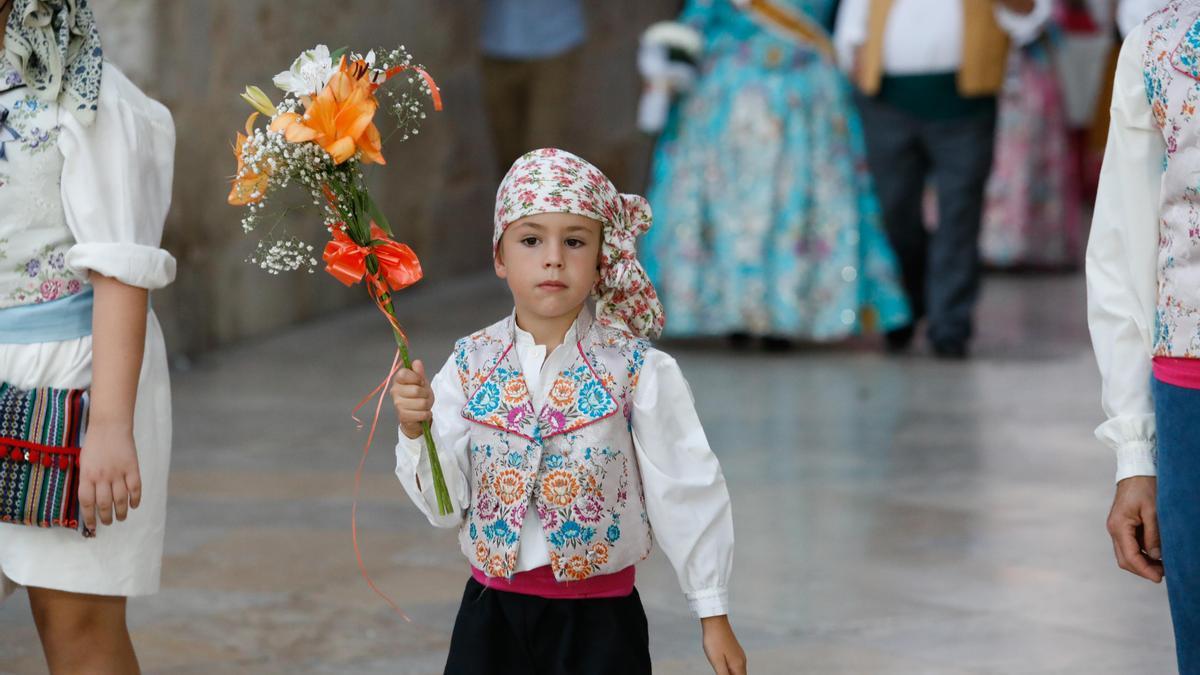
x=555, y=181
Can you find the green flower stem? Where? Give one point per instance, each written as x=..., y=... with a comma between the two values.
x=445, y=507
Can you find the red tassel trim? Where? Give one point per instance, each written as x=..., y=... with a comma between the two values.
x=36, y=453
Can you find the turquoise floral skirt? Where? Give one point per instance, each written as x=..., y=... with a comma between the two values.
x=764, y=216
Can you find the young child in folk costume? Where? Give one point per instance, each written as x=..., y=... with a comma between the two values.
x=85, y=182
x=567, y=439
x=1144, y=310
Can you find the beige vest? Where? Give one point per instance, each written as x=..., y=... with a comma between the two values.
x=985, y=49
x=573, y=460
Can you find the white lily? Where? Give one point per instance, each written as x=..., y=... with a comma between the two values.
x=309, y=73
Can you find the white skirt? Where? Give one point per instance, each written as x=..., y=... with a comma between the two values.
x=125, y=558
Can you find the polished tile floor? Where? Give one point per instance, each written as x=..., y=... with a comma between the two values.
x=894, y=515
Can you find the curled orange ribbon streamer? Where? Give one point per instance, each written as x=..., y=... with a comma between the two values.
x=434, y=92
x=362, y=567
x=398, y=268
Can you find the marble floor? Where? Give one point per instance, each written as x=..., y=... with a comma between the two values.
x=894, y=515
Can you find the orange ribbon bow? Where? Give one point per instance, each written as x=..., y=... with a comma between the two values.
x=347, y=261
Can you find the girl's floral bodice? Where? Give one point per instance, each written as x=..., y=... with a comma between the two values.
x=34, y=237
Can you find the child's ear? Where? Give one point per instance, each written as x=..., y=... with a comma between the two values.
x=498, y=261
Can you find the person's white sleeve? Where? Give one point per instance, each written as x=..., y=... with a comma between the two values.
x=116, y=185
x=451, y=433
x=850, y=31
x=686, y=498
x=1122, y=268
x=1024, y=28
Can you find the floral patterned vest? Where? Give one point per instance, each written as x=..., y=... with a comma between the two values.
x=573, y=460
x=34, y=237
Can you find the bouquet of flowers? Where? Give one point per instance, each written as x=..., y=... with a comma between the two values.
x=319, y=138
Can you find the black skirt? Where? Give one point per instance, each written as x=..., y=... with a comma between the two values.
x=503, y=632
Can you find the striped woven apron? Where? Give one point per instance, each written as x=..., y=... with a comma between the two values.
x=41, y=430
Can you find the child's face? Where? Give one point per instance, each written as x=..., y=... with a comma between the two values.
x=551, y=263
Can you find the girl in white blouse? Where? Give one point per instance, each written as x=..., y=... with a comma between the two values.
x=565, y=439
x=85, y=181
x=1143, y=276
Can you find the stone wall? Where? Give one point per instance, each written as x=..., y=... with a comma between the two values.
x=197, y=55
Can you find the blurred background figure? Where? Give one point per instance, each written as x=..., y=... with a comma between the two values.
x=765, y=222
x=1033, y=206
x=930, y=73
x=1086, y=60
x=530, y=54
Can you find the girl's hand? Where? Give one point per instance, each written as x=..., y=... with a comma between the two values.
x=413, y=398
x=721, y=646
x=109, y=481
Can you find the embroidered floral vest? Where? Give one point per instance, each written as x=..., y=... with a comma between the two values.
x=573, y=460
x=34, y=237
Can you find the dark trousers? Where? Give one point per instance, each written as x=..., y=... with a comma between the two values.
x=1176, y=410
x=501, y=632
x=941, y=270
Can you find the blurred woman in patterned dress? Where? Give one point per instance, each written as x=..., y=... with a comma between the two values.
x=765, y=220
x=1032, y=216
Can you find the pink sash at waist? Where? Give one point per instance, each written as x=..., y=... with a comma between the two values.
x=541, y=583
x=1178, y=372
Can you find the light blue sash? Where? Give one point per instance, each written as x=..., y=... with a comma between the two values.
x=68, y=318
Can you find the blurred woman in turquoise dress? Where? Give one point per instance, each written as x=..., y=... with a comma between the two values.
x=764, y=219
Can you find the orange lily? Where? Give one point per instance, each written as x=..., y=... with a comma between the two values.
x=249, y=187
x=340, y=119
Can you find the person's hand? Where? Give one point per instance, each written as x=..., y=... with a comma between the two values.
x=721, y=646
x=1133, y=526
x=109, y=480
x=413, y=398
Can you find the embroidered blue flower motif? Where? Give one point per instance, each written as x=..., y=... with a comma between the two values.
x=1188, y=50
x=33, y=267
x=635, y=364
x=486, y=400
x=587, y=534
x=587, y=454
x=593, y=400
x=553, y=461
x=571, y=529
x=499, y=531
x=514, y=459
x=474, y=532
x=556, y=540
x=614, y=533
